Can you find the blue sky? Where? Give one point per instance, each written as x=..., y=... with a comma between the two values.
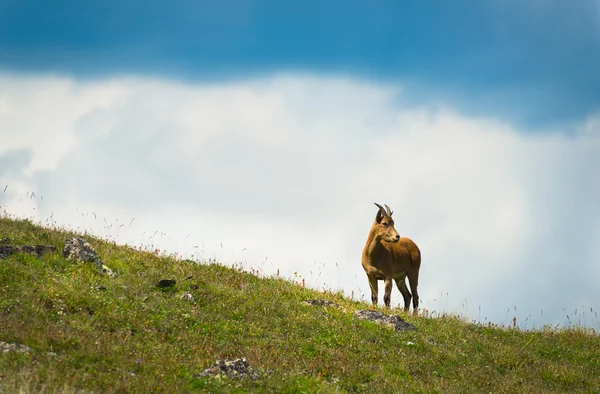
x=534, y=63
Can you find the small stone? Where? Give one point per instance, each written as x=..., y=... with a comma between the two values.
x=238, y=368
x=320, y=303
x=187, y=297
x=108, y=271
x=53, y=355
x=164, y=283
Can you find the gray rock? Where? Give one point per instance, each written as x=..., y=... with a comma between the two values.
x=38, y=250
x=392, y=321
x=14, y=347
x=18, y=348
x=187, y=297
x=238, y=368
x=320, y=303
x=78, y=249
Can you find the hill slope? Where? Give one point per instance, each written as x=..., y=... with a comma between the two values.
x=87, y=332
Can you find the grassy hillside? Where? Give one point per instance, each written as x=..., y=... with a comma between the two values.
x=92, y=333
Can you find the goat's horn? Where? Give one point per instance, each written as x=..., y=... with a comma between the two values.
x=388, y=210
x=380, y=207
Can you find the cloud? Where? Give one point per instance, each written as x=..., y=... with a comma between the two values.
x=39, y=113
x=13, y=162
x=282, y=172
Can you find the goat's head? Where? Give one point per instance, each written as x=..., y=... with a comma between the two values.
x=384, y=225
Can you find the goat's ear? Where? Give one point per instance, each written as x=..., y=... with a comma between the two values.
x=380, y=213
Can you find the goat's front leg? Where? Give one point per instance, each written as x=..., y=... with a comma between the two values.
x=387, y=295
x=374, y=290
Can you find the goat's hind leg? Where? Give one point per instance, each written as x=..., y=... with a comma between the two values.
x=413, y=279
x=401, y=284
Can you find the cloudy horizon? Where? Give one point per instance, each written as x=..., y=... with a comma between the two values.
x=487, y=149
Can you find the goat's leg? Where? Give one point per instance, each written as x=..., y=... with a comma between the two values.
x=374, y=290
x=387, y=295
x=413, y=279
x=401, y=284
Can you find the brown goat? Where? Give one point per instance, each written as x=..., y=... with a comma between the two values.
x=386, y=256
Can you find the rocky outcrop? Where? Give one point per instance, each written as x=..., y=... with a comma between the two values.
x=6, y=347
x=392, y=321
x=14, y=347
x=78, y=249
x=38, y=250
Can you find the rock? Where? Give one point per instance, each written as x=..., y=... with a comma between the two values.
x=164, y=283
x=238, y=368
x=54, y=356
x=187, y=297
x=78, y=249
x=14, y=347
x=392, y=321
x=6, y=251
x=320, y=303
x=17, y=348
x=39, y=250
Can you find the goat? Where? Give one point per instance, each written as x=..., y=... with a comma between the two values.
x=386, y=256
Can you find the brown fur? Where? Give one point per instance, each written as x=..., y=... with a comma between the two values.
x=388, y=257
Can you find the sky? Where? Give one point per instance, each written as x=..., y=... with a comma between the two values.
x=260, y=133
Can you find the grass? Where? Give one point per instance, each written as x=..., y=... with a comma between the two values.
x=91, y=333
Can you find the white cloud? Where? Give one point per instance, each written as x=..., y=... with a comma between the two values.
x=37, y=113
x=282, y=172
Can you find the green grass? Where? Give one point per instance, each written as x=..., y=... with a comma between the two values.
x=126, y=335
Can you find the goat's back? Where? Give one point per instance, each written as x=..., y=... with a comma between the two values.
x=405, y=251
